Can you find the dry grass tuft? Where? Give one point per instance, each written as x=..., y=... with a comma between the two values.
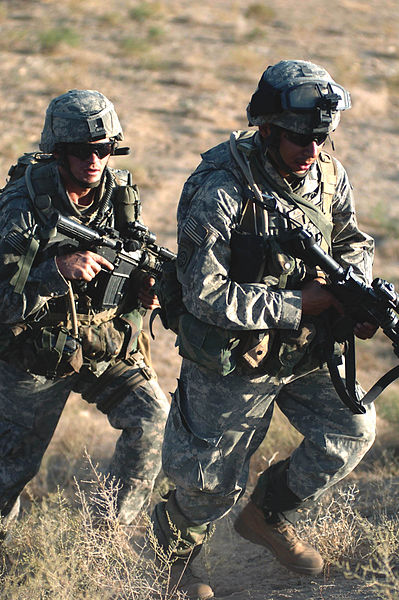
x=260, y=12
x=145, y=11
x=362, y=546
x=56, y=38
x=80, y=550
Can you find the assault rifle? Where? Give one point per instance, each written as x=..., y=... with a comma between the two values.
x=378, y=304
x=133, y=250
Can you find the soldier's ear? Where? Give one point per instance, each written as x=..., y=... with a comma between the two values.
x=265, y=130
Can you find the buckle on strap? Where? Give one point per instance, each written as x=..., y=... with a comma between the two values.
x=135, y=359
x=147, y=372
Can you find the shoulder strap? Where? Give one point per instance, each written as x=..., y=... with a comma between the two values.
x=313, y=213
x=42, y=207
x=255, y=218
x=247, y=161
x=328, y=180
x=40, y=192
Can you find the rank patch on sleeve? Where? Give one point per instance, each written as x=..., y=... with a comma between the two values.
x=196, y=232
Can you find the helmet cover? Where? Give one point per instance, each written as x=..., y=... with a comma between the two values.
x=299, y=96
x=79, y=116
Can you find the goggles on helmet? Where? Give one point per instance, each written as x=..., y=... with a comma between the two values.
x=315, y=94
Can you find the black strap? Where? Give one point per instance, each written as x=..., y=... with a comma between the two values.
x=347, y=391
x=380, y=385
x=350, y=368
x=350, y=401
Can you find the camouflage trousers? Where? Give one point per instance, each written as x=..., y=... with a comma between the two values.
x=216, y=423
x=30, y=407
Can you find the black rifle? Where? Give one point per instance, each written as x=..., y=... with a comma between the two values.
x=132, y=250
x=378, y=304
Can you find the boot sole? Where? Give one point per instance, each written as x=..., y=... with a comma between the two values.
x=251, y=536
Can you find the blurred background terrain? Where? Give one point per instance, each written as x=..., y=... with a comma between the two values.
x=180, y=74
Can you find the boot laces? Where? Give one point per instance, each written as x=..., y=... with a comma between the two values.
x=288, y=532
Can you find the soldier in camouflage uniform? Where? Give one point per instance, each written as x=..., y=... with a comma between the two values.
x=253, y=335
x=52, y=340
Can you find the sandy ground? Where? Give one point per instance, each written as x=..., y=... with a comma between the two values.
x=180, y=74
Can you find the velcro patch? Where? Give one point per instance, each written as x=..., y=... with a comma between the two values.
x=18, y=240
x=196, y=232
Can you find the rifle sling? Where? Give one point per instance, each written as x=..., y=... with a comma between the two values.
x=254, y=172
x=313, y=213
x=380, y=385
x=347, y=391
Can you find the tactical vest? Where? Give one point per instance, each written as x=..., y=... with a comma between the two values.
x=257, y=257
x=59, y=339
x=271, y=209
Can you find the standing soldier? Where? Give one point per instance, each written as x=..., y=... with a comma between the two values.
x=253, y=334
x=53, y=339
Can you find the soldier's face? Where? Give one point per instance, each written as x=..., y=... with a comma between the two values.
x=298, y=157
x=88, y=169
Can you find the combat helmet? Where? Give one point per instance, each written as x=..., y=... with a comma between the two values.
x=299, y=96
x=79, y=116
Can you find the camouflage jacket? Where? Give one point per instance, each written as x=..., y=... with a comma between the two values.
x=211, y=206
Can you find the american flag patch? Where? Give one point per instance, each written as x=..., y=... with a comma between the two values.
x=195, y=231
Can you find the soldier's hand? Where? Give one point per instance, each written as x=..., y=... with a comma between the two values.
x=316, y=298
x=146, y=296
x=82, y=265
x=364, y=331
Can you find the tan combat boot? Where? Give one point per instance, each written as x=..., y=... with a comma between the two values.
x=281, y=538
x=183, y=578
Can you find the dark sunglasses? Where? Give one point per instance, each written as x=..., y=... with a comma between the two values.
x=304, y=139
x=84, y=150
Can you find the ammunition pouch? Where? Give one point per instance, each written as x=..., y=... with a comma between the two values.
x=48, y=351
x=248, y=255
x=57, y=353
x=280, y=352
x=110, y=339
x=256, y=347
x=207, y=345
x=296, y=352
x=281, y=269
x=102, y=342
x=47, y=348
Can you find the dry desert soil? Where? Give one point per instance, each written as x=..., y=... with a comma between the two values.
x=180, y=74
